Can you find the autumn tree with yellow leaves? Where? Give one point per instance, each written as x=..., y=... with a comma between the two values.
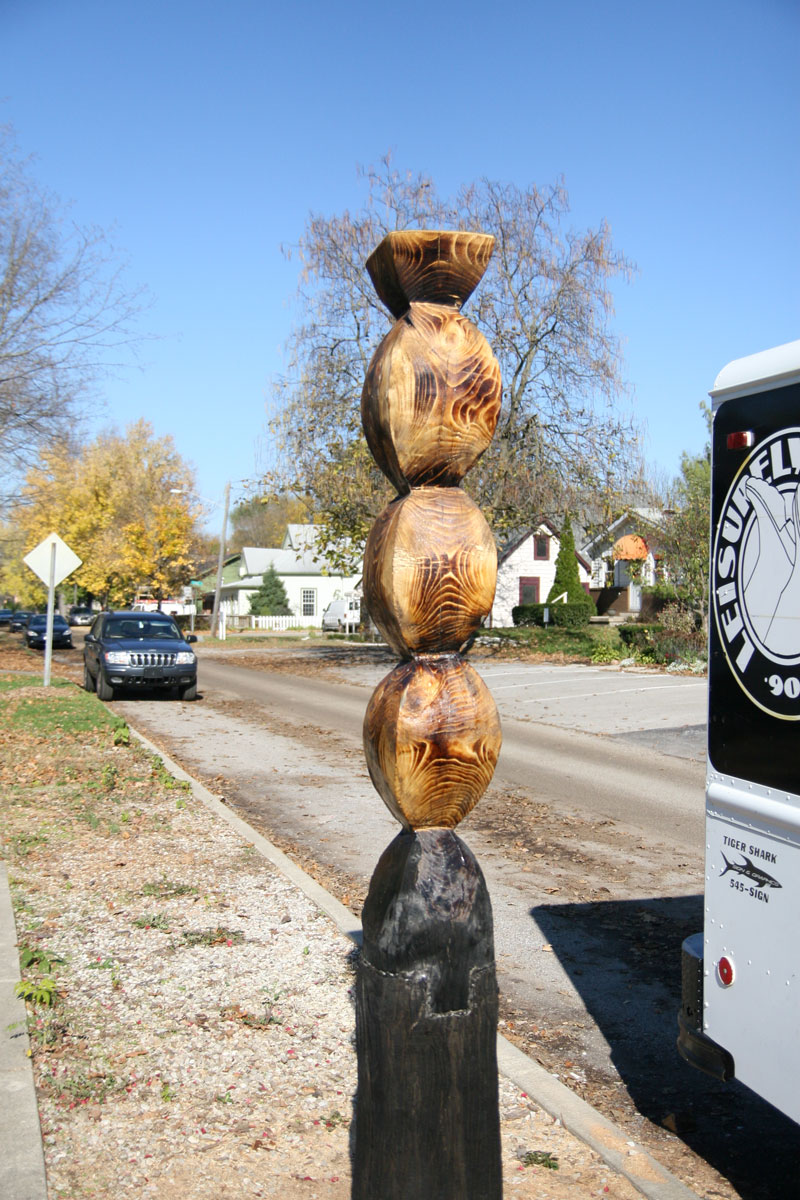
x=124, y=504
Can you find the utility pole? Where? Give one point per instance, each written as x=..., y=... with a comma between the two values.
x=223, y=535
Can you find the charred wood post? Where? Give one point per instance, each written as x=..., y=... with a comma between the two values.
x=427, y=1122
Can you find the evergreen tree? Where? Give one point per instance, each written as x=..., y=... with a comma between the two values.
x=567, y=578
x=270, y=600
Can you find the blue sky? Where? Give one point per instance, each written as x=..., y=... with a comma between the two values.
x=202, y=134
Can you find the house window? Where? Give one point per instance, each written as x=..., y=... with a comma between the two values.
x=541, y=547
x=528, y=590
x=309, y=602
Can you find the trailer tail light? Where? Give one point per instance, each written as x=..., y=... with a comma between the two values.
x=725, y=971
x=742, y=440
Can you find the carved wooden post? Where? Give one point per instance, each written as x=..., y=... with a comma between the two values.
x=427, y=1122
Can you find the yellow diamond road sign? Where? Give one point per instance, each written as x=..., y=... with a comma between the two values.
x=40, y=560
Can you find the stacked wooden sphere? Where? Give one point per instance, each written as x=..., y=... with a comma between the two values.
x=429, y=408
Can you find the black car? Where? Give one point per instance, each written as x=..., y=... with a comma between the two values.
x=138, y=649
x=36, y=631
x=5, y=616
x=19, y=619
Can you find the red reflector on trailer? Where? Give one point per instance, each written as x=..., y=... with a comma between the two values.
x=725, y=971
x=741, y=440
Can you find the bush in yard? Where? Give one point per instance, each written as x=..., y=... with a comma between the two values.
x=567, y=580
x=528, y=614
x=571, y=616
x=565, y=616
x=673, y=640
x=639, y=638
x=270, y=600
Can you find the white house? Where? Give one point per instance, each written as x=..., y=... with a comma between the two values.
x=526, y=569
x=309, y=583
x=633, y=537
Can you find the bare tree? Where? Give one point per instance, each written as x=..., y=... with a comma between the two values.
x=564, y=441
x=64, y=312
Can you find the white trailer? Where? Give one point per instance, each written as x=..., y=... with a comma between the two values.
x=740, y=1014
x=173, y=606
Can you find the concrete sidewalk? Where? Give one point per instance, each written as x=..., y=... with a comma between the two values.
x=22, y=1169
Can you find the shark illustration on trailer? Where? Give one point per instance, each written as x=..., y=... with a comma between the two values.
x=750, y=871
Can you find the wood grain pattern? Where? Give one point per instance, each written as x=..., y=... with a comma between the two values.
x=431, y=398
x=430, y=569
x=431, y=740
x=427, y=1121
x=441, y=266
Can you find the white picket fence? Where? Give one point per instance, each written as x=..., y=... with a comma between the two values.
x=277, y=624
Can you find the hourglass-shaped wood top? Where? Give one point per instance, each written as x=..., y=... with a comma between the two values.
x=440, y=266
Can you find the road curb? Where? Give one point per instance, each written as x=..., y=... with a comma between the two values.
x=22, y=1172
x=621, y=1153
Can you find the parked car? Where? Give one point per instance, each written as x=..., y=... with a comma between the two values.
x=138, y=649
x=35, y=632
x=342, y=613
x=81, y=616
x=5, y=616
x=20, y=619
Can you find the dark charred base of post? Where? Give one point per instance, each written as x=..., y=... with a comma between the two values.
x=427, y=1122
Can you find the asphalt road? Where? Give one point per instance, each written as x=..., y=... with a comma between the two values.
x=570, y=729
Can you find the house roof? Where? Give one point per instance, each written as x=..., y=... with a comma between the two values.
x=257, y=559
x=544, y=526
x=518, y=538
x=646, y=519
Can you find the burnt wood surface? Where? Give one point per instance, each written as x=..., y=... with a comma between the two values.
x=426, y=1123
x=431, y=739
x=430, y=570
x=431, y=398
x=440, y=266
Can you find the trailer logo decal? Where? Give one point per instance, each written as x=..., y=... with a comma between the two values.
x=749, y=871
x=756, y=575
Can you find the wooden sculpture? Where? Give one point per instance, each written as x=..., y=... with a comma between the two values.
x=427, y=1123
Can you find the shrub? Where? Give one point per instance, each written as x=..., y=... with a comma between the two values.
x=528, y=614
x=666, y=642
x=572, y=616
x=567, y=577
x=639, y=638
x=565, y=616
x=676, y=618
x=270, y=600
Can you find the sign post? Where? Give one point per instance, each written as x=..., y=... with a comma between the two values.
x=51, y=561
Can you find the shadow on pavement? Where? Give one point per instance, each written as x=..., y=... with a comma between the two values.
x=623, y=958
